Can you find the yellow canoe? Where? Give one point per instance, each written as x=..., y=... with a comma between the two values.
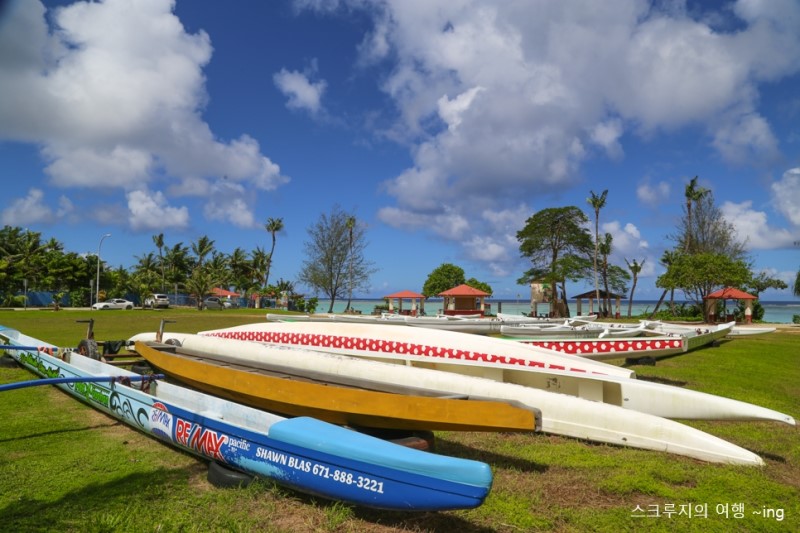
x=294, y=395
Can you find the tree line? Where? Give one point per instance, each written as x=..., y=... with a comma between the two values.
x=335, y=264
x=557, y=241
x=707, y=255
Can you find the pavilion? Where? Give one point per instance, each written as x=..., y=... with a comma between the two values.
x=592, y=295
x=464, y=300
x=417, y=302
x=729, y=293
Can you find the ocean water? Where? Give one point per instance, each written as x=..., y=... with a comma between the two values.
x=776, y=312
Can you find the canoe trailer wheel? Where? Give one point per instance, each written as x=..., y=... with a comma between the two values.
x=88, y=348
x=141, y=369
x=223, y=477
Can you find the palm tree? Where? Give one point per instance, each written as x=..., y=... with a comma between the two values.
x=144, y=276
x=240, y=270
x=200, y=283
x=202, y=248
x=259, y=263
x=667, y=258
x=177, y=264
x=350, y=224
x=635, y=268
x=597, y=203
x=219, y=267
x=693, y=195
x=604, y=248
x=158, y=240
x=273, y=225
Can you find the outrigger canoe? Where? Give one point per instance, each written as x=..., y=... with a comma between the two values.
x=281, y=390
x=302, y=453
x=655, y=340
x=614, y=348
x=639, y=395
x=562, y=414
x=435, y=345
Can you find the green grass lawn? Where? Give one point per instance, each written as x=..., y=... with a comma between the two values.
x=67, y=467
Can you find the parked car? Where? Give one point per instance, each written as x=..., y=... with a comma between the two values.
x=214, y=302
x=114, y=303
x=157, y=301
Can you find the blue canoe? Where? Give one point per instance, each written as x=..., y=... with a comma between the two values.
x=303, y=453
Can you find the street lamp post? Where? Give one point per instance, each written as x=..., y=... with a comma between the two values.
x=97, y=286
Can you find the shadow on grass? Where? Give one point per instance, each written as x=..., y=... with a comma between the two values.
x=456, y=449
x=63, y=514
x=411, y=520
x=58, y=432
x=428, y=521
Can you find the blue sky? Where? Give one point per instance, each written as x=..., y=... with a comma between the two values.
x=441, y=124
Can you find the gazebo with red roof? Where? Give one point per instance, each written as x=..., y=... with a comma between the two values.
x=464, y=300
x=730, y=293
x=406, y=295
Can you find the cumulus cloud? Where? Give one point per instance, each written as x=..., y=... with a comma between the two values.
x=28, y=210
x=559, y=84
x=150, y=211
x=653, y=194
x=607, y=136
x=303, y=94
x=628, y=244
x=786, y=195
x=230, y=202
x=451, y=110
x=751, y=226
x=113, y=93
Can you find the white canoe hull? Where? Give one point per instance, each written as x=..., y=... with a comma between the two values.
x=561, y=414
x=743, y=331
x=482, y=326
x=639, y=395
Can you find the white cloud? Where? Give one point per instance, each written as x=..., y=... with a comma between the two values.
x=627, y=239
x=451, y=110
x=752, y=227
x=607, y=136
x=653, y=194
x=786, y=195
x=65, y=207
x=150, y=211
x=628, y=244
x=113, y=92
x=28, y=210
x=745, y=137
x=303, y=94
x=557, y=80
x=230, y=202
x=93, y=167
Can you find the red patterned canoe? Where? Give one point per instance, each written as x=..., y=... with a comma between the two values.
x=601, y=349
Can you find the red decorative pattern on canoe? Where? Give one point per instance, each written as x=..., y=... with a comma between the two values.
x=622, y=346
x=366, y=345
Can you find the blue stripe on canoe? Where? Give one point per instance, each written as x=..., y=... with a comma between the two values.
x=335, y=440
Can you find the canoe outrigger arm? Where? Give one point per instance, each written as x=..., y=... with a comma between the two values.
x=160, y=333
